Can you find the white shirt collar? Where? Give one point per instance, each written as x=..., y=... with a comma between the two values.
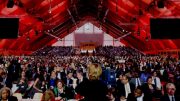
x=140, y=98
x=170, y=97
x=127, y=88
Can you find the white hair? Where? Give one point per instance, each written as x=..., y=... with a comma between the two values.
x=168, y=85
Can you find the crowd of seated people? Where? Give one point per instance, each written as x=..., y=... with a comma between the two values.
x=55, y=51
x=109, y=51
x=131, y=76
x=116, y=51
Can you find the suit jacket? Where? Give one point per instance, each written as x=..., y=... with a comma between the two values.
x=121, y=89
x=82, y=86
x=166, y=98
x=131, y=97
x=147, y=92
x=62, y=75
x=133, y=81
x=96, y=91
x=12, y=98
x=8, y=82
x=70, y=82
x=13, y=71
x=84, y=80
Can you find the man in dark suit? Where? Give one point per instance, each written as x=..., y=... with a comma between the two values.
x=6, y=80
x=137, y=95
x=124, y=88
x=94, y=89
x=12, y=98
x=170, y=96
x=69, y=83
x=68, y=80
x=81, y=84
x=14, y=69
x=149, y=89
x=60, y=73
x=136, y=80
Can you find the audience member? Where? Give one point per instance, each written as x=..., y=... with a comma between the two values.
x=170, y=95
x=6, y=95
x=137, y=95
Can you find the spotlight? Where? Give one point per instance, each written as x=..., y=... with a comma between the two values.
x=10, y=4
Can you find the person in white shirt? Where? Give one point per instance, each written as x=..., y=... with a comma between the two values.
x=157, y=82
x=124, y=88
x=136, y=80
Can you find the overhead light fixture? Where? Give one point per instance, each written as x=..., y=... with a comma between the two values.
x=27, y=38
x=50, y=11
x=10, y=3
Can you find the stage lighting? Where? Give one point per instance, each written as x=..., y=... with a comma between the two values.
x=10, y=4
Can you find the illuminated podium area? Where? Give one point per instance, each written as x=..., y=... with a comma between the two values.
x=87, y=47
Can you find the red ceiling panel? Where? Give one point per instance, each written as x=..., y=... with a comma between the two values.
x=35, y=16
